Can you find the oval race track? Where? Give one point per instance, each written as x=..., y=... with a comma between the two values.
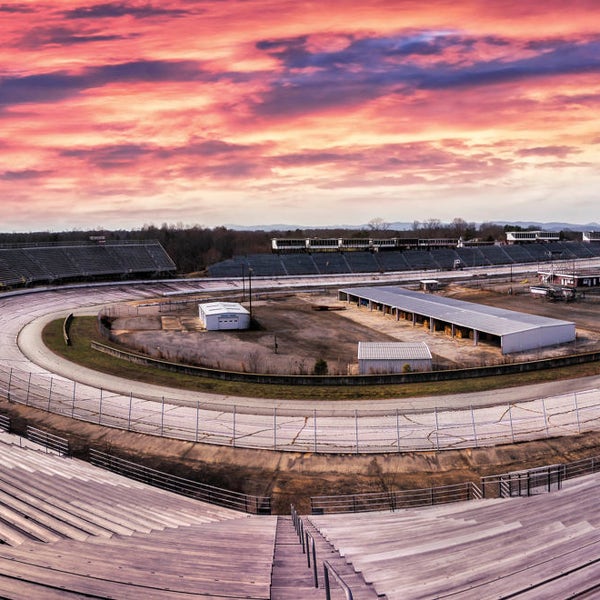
x=31, y=375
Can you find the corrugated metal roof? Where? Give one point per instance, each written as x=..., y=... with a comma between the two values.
x=215, y=308
x=393, y=351
x=487, y=319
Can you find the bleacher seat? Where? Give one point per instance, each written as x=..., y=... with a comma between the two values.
x=480, y=549
x=53, y=263
x=299, y=264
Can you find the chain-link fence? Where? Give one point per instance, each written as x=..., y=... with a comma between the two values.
x=339, y=430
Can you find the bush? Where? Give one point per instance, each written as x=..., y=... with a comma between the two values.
x=320, y=367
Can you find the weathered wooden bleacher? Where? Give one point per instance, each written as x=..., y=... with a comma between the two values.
x=69, y=529
x=481, y=549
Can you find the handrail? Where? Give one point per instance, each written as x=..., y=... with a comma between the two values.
x=395, y=499
x=304, y=536
x=48, y=440
x=327, y=568
x=5, y=423
x=179, y=485
x=313, y=551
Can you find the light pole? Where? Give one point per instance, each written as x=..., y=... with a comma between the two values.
x=250, y=290
x=243, y=285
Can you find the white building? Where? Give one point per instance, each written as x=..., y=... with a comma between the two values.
x=512, y=331
x=393, y=357
x=223, y=315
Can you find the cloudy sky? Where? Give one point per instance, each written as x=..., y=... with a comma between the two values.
x=120, y=114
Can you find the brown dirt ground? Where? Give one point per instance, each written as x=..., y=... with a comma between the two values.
x=290, y=336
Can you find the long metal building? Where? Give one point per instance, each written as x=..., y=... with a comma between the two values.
x=512, y=331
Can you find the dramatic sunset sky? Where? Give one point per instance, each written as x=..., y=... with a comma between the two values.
x=120, y=114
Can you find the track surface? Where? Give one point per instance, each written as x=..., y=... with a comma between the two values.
x=35, y=376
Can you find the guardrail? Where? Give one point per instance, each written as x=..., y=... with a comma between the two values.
x=48, y=440
x=527, y=482
x=186, y=487
x=66, y=329
x=5, y=423
x=394, y=500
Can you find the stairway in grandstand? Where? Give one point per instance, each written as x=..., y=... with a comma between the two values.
x=71, y=530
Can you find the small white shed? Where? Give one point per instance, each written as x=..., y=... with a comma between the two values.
x=393, y=357
x=223, y=315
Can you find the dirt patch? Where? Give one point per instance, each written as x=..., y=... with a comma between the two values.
x=289, y=335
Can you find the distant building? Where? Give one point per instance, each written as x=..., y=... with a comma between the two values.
x=519, y=237
x=223, y=315
x=571, y=280
x=393, y=357
x=591, y=236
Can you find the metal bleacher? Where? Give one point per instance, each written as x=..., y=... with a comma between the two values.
x=494, y=255
x=330, y=262
x=67, y=262
x=362, y=262
x=299, y=264
x=518, y=253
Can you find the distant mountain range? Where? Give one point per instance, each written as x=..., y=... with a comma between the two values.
x=400, y=226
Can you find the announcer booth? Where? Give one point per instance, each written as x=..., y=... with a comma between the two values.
x=215, y=316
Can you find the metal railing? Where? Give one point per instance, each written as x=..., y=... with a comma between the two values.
x=327, y=569
x=48, y=440
x=186, y=487
x=5, y=423
x=360, y=431
x=527, y=482
x=308, y=544
x=394, y=500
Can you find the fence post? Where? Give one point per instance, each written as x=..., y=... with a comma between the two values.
x=100, y=409
x=49, y=394
x=73, y=402
x=437, y=429
x=356, y=427
x=512, y=431
x=274, y=428
x=28, y=388
x=315, y=426
x=9, y=383
x=577, y=413
x=474, y=428
x=398, y=429
x=233, y=417
x=197, y=417
x=129, y=416
x=162, y=417
x=545, y=417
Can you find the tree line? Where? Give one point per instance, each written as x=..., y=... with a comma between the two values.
x=196, y=247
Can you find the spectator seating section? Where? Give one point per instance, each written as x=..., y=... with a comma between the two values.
x=330, y=262
x=478, y=549
x=44, y=264
x=72, y=530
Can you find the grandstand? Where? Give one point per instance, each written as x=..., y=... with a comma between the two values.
x=55, y=263
x=545, y=546
x=438, y=258
x=69, y=529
